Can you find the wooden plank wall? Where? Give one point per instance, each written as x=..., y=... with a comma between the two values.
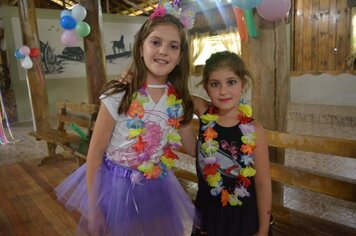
x=321, y=34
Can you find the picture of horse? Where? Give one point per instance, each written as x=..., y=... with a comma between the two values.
x=119, y=45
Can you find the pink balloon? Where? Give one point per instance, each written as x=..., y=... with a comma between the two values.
x=25, y=50
x=69, y=38
x=273, y=10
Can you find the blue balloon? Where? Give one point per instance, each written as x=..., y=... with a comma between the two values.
x=65, y=13
x=246, y=4
x=68, y=22
x=18, y=54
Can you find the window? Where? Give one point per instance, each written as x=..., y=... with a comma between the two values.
x=206, y=45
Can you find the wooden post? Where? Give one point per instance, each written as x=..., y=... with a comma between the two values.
x=94, y=52
x=38, y=91
x=267, y=57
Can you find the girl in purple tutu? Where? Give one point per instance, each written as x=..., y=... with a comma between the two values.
x=126, y=187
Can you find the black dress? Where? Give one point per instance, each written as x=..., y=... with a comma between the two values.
x=229, y=220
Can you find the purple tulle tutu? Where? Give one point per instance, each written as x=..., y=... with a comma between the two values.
x=127, y=204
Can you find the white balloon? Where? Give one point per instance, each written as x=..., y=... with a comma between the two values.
x=79, y=12
x=27, y=63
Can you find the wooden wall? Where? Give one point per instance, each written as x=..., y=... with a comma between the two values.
x=321, y=34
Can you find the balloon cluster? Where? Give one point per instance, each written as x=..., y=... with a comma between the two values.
x=24, y=54
x=270, y=10
x=73, y=25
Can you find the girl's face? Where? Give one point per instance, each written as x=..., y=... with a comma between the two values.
x=224, y=88
x=161, y=53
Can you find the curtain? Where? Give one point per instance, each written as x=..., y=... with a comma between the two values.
x=197, y=42
x=231, y=39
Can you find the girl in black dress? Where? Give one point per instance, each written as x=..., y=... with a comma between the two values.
x=234, y=196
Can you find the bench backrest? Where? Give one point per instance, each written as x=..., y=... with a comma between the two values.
x=81, y=114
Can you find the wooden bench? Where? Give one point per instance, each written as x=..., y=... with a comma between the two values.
x=75, y=123
x=286, y=220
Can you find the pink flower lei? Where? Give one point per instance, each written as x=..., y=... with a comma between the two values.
x=210, y=146
x=137, y=128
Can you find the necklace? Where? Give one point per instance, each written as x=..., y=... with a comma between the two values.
x=158, y=86
x=210, y=146
x=137, y=128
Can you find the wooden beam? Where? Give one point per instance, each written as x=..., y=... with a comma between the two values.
x=94, y=51
x=38, y=91
x=137, y=7
x=266, y=57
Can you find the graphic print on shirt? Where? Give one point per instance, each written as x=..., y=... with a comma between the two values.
x=227, y=156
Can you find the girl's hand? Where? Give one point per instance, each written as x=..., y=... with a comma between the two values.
x=96, y=222
x=125, y=77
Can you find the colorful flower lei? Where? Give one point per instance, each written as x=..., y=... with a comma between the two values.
x=185, y=17
x=210, y=146
x=136, y=125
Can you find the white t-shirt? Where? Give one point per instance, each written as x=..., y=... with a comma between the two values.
x=120, y=148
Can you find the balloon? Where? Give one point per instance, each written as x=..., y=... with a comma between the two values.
x=240, y=24
x=65, y=13
x=35, y=52
x=69, y=38
x=251, y=27
x=82, y=29
x=67, y=22
x=18, y=54
x=27, y=63
x=273, y=10
x=245, y=4
x=25, y=50
x=79, y=12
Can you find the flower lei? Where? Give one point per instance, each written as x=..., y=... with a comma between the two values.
x=137, y=129
x=185, y=17
x=210, y=146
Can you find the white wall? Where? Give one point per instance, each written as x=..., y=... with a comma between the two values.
x=324, y=89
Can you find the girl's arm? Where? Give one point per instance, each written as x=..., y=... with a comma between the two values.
x=186, y=131
x=263, y=183
x=188, y=138
x=102, y=133
x=200, y=105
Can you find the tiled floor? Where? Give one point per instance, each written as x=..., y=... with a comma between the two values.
x=313, y=122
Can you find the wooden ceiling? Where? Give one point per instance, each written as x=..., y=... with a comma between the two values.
x=121, y=7
x=124, y=7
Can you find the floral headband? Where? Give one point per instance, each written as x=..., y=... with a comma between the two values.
x=185, y=17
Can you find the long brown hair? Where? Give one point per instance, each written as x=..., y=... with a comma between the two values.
x=178, y=76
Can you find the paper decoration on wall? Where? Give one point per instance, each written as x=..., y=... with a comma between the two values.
x=250, y=23
x=3, y=117
x=73, y=25
x=240, y=23
x=270, y=10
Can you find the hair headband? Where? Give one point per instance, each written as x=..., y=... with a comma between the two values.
x=185, y=17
